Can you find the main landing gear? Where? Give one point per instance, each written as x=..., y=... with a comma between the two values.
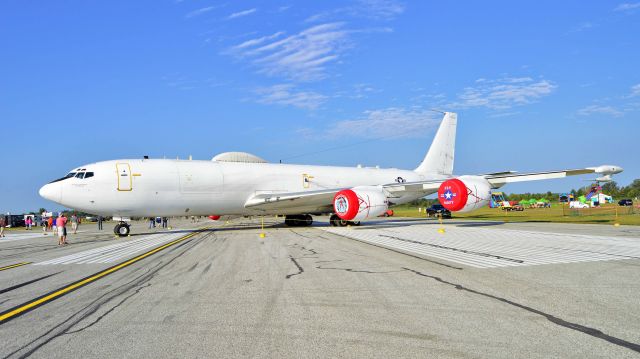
x=122, y=229
x=302, y=220
x=336, y=221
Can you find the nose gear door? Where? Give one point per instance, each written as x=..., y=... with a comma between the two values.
x=124, y=177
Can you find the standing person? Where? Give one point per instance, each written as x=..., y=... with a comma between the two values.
x=54, y=225
x=100, y=222
x=50, y=222
x=74, y=223
x=152, y=222
x=2, y=224
x=61, y=223
x=44, y=224
x=164, y=222
x=27, y=223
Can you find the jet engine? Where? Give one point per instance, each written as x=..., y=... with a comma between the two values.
x=360, y=203
x=465, y=193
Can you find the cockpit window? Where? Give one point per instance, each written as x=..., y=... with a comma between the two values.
x=88, y=174
x=80, y=175
x=69, y=175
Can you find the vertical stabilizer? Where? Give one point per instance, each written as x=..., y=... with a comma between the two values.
x=439, y=159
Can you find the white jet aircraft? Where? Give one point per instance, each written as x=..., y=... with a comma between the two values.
x=240, y=184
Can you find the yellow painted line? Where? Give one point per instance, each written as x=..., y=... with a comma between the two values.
x=37, y=302
x=14, y=265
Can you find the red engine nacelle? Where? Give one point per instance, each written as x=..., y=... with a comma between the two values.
x=360, y=203
x=465, y=193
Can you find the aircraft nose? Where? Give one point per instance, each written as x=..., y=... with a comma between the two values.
x=51, y=191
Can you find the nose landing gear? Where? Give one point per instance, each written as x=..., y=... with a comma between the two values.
x=122, y=229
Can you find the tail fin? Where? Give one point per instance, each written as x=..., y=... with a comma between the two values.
x=439, y=159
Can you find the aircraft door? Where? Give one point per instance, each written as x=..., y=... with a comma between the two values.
x=124, y=177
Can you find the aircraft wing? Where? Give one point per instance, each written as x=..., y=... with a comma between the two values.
x=313, y=200
x=322, y=200
x=500, y=179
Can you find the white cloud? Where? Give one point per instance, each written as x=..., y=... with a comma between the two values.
x=241, y=13
x=393, y=122
x=258, y=41
x=503, y=93
x=287, y=95
x=582, y=27
x=373, y=9
x=301, y=57
x=627, y=6
x=379, y=9
x=599, y=109
x=200, y=11
x=635, y=90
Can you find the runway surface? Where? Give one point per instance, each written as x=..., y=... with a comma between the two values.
x=481, y=245
x=393, y=288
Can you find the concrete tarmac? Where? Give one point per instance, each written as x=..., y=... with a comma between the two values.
x=305, y=292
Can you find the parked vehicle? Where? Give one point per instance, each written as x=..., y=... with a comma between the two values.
x=578, y=204
x=14, y=220
x=438, y=210
x=388, y=213
x=510, y=207
x=625, y=202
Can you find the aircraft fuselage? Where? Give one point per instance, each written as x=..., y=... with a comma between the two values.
x=159, y=187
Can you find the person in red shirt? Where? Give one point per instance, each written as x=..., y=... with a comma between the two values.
x=61, y=222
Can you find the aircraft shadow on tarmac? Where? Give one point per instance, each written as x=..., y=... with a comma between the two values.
x=382, y=224
x=411, y=222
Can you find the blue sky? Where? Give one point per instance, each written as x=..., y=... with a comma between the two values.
x=538, y=86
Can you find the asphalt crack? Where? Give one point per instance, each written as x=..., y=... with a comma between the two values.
x=558, y=321
x=359, y=270
x=300, y=269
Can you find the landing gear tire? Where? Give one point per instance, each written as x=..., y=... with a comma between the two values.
x=333, y=220
x=336, y=221
x=304, y=220
x=122, y=229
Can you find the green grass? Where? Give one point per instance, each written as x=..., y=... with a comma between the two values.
x=607, y=214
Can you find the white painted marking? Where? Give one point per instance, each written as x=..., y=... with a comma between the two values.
x=111, y=253
x=494, y=247
x=11, y=236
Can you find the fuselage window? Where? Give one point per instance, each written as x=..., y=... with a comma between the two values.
x=88, y=174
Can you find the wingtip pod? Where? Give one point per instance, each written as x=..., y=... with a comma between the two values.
x=439, y=158
x=606, y=169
